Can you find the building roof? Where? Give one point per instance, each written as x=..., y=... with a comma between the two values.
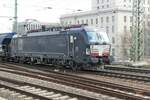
x=95, y=12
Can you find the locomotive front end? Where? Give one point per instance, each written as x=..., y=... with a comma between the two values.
x=100, y=53
x=99, y=46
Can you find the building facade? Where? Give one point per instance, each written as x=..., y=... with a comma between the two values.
x=33, y=25
x=28, y=25
x=115, y=17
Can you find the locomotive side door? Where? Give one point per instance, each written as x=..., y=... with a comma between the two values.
x=72, y=45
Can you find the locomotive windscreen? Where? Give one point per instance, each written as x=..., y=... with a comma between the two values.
x=104, y=37
x=98, y=37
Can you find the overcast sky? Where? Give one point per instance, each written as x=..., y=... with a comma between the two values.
x=37, y=9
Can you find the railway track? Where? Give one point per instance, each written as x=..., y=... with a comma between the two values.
x=121, y=74
x=143, y=76
x=111, y=89
x=128, y=69
x=23, y=90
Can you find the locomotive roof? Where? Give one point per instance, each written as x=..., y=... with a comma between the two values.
x=38, y=34
x=52, y=32
x=44, y=33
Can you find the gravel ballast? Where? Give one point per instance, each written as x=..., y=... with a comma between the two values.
x=56, y=86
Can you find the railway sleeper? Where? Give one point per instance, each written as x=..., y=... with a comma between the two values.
x=45, y=93
x=13, y=95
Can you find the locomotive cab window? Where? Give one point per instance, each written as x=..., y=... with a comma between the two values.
x=104, y=37
x=97, y=37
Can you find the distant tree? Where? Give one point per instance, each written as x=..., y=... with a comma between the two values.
x=147, y=38
x=126, y=45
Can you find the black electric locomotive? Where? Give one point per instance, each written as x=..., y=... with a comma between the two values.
x=75, y=47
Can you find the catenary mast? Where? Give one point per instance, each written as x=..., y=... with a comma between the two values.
x=15, y=17
x=137, y=48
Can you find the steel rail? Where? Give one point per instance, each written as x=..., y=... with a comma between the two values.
x=128, y=69
x=80, y=83
x=20, y=83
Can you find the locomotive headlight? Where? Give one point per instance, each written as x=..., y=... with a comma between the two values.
x=106, y=50
x=71, y=39
x=106, y=53
x=88, y=52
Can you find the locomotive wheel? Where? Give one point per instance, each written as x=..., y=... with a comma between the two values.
x=2, y=59
x=73, y=65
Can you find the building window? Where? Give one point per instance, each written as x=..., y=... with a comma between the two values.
x=96, y=20
x=102, y=6
x=62, y=22
x=70, y=22
x=107, y=19
x=113, y=29
x=87, y=21
x=125, y=19
x=102, y=1
x=107, y=6
x=66, y=23
x=97, y=1
x=113, y=18
x=131, y=18
x=113, y=40
x=38, y=25
x=78, y=22
x=97, y=7
x=91, y=21
x=82, y=21
x=107, y=29
x=33, y=27
x=113, y=52
x=131, y=29
x=29, y=27
x=107, y=0
x=102, y=20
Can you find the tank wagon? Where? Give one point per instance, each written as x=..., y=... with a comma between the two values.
x=76, y=47
x=5, y=39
